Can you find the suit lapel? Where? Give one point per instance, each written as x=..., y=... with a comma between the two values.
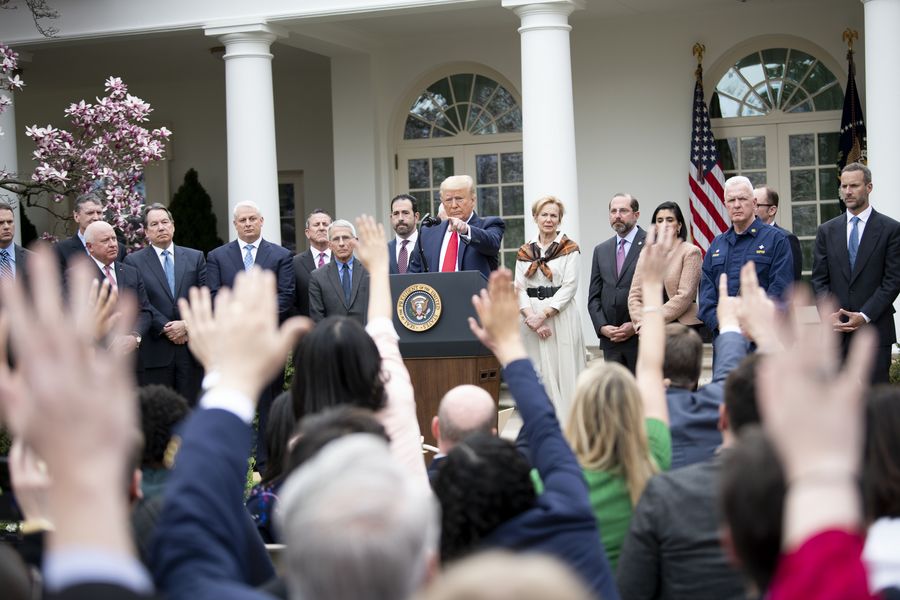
x=151, y=260
x=179, y=270
x=867, y=244
x=354, y=282
x=633, y=252
x=335, y=278
x=262, y=253
x=120, y=275
x=475, y=221
x=839, y=246
x=308, y=261
x=236, y=254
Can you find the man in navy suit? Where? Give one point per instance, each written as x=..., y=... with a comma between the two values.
x=88, y=209
x=857, y=262
x=103, y=246
x=611, y=273
x=766, y=209
x=465, y=241
x=404, y=216
x=318, y=255
x=223, y=265
x=168, y=271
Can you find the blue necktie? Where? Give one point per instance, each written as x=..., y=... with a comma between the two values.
x=345, y=283
x=248, y=258
x=170, y=271
x=853, y=246
x=5, y=266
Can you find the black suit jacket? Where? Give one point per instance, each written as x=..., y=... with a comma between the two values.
x=304, y=265
x=69, y=247
x=190, y=271
x=796, y=251
x=608, y=294
x=225, y=262
x=874, y=283
x=128, y=278
x=326, y=296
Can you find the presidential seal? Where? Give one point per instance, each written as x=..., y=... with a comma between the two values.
x=419, y=307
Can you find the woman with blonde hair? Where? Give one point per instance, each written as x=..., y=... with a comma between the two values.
x=547, y=280
x=619, y=425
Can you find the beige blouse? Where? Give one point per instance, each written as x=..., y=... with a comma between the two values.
x=681, y=282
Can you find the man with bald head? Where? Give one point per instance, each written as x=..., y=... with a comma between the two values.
x=464, y=410
x=103, y=247
x=88, y=209
x=748, y=239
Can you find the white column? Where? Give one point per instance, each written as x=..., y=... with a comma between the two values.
x=250, y=121
x=8, y=159
x=548, y=120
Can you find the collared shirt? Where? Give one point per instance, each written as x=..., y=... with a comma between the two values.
x=11, y=250
x=413, y=237
x=861, y=226
x=315, y=256
x=340, y=266
x=162, y=259
x=253, y=250
x=629, y=239
x=102, y=268
x=462, y=238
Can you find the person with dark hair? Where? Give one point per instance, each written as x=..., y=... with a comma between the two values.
x=611, y=273
x=317, y=255
x=264, y=495
x=484, y=487
x=404, y=216
x=168, y=272
x=88, y=209
x=766, y=209
x=162, y=408
x=318, y=430
x=682, y=275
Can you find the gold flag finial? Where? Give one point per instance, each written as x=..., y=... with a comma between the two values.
x=850, y=36
x=698, y=51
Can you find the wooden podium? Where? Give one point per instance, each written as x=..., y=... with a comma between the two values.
x=447, y=354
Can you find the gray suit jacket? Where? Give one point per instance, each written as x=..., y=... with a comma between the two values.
x=608, y=295
x=326, y=296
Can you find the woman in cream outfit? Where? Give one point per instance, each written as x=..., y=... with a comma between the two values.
x=547, y=280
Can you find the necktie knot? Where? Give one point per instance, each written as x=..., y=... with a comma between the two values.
x=403, y=243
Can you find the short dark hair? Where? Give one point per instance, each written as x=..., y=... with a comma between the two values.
x=856, y=166
x=412, y=200
x=483, y=482
x=771, y=195
x=752, y=493
x=337, y=363
x=93, y=197
x=881, y=458
x=683, y=359
x=317, y=431
x=318, y=211
x=279, y=429
x=162, y=408
x=679, y=216
x=156, y=206
x=635, y=207
x=740, y=394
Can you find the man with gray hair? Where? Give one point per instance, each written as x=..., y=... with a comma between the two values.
x=464, y=410
x=748, y=239
x=357, y=525
x=340, y=288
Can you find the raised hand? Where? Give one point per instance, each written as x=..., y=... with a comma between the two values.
x=756, y=312
x=103, y=298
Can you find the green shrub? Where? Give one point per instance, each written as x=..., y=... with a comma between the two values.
x=195, y=223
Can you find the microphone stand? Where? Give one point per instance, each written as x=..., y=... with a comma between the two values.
x=421, y=249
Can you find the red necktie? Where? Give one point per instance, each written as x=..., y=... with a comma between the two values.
x=403, y=259
x=449, y=264
x=321, y=259
x=110, y=276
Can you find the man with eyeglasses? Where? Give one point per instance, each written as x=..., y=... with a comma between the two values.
x=168, y=271
x=766, y=209
x=463, y=241
x=748, y=239
x=340, y=288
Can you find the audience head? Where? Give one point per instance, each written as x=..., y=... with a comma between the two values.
x=740, y=406
x=464, y=410
x=317, y=224
x=279, y=431
x=624, y=212
x=669, y=215
x=361, y=527
x=881, y=458
x=683, y=360
x=458, y=196
x=483, y=482
x=606, y=426
x=248, y=221
x=162, y=408
x=337, y=363
x=318, y=430
x=101, y=241
x=88, y=209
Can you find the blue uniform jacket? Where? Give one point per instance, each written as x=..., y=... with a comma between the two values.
x=765, y=245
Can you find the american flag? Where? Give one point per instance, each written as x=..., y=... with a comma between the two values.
x=707, y=183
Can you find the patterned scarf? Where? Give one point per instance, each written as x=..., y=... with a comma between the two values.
x=532, y=253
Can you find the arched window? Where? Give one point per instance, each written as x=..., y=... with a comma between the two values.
x=782, y=79
x=463, y=102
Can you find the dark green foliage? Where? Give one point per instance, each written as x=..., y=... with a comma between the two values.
x=195, y=223
x=26, y=228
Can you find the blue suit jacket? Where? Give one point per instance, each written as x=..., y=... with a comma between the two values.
x=190, y=271
x=694, y=415
x=481, y=253
x=225, y=262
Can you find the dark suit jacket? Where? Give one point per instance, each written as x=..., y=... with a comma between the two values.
x=874, y=283
x=225, y=262
x=326, y=296
x=481, y=253
x=128, y=278
x=608, y=294
x=304, y=265
x=69, y=247
x=190, y=271
x=393, y=269
x=796, y=251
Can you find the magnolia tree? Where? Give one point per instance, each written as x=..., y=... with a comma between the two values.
x=106, y=150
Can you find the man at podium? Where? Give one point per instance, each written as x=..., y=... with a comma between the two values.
x=464, y=241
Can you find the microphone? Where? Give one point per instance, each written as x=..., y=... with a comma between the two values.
x=429, y=221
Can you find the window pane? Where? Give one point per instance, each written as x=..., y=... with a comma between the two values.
x=502, y=102
x=509, y=259
x=798, y=65
x=729, y=107
x=488, y=201
x=803, y=185
x=416, y=129
x=733, y=85
x=805, y=223
x=753, y=152
x=727, y=149
x=462, y=86
x=802, y=150
x=774, y=60
x=830, y=210
x=442, y=168
x=511, y=122
x=818, y=78
x=428, y=106
x=423, y=200
x=515, y=233
x=830, y=99
x=484, y=88
x=435, y=201
x=807, y=248
x=513, y=200
x=441, y=91
x=437, y=132
x=485, y=169
x=828, y=184
x=804, y=107
x=828, y=147
x=418, y=173
x=511, y=167
x=755, y=177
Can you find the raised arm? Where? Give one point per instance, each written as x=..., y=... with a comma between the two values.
x=652, y=347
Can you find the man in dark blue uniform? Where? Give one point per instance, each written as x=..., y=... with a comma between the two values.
x=748, y=239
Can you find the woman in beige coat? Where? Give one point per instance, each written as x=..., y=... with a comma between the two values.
x=682, y=276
